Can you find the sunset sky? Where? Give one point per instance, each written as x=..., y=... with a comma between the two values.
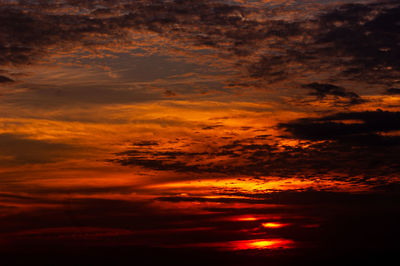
x=235, y=132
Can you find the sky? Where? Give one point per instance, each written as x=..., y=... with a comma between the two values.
x=261, y=132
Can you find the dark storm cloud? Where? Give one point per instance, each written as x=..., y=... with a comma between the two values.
x=368, y=34
x=169, y=93
x=360, y=39
x=4, y=79
x=353, y=142
x=211, y=127
x=27, y=34
x=322, y=90
x=392, y=91
x=29, y=29
x=352, y=146
x=145, y=143
x=376, y=43
x=351, y=158
x=351, y=125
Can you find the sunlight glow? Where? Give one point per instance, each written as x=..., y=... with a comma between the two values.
x=275, y=243
x=266, y=184
x=261, y=244
x=247, y=219
x=273, y=225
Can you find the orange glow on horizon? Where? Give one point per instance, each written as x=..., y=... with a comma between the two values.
x=260, y=244
x=273, y=225
x=263, y=244
x=252, y=217
x=275, y=243
x=244, y=219
x=248, y=184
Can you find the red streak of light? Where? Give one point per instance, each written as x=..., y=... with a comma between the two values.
x=259, y=244
x=273, y=225
x=273, y=243
x=247, y=219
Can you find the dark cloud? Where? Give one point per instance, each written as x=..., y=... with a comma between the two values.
x=355, y=158
x=30, y=28
x=354, y=143
x=145, y=143
x=211, y=127
x=392, y=91
x=351, y=125
x=169, y=93
x=351, y=146
x=366, y=33
x=361, y=40
x=321, y=90
x=4, y=79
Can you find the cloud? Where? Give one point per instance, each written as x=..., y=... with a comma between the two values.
x=30, y=28
x=291, y=197
x=18, y=149
x=368, y=34
x=353, y=151
x=4, y=79
x=346, y=41
x=356, y=147
x=145, y=143
x=351, y=41
x=169, y=93
x=342, y=96
x=392, y=91
x=353, y=143
x=363, y=126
